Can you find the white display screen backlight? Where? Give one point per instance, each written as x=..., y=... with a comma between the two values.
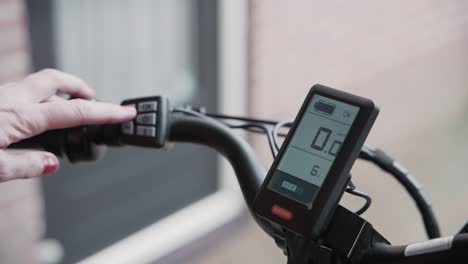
x=313, y=148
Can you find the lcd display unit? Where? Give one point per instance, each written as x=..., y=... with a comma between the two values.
x=311, y=171
x=313, y=149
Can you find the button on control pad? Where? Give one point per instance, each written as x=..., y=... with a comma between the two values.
x=146, y=131
x=128, y=128
x=150, y=126
x=146, y=119
x=148, y=106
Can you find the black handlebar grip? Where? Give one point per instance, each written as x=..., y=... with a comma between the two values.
x=83, y=143
x=79, y=146
x=52, y=141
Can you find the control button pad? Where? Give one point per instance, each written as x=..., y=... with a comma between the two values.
x=150, y=127
x=145, y=120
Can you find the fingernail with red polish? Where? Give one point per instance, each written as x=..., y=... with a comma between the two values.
x=50, y=165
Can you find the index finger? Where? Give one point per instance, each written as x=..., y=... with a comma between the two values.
x=38, y=118
x=77, y=112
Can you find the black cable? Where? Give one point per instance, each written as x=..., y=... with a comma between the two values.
x=265, y=130
x=351, y=184
x=189, y=111
x=271, y=135
x=351, y=189
x=401, y=174
x=243, y=118
x=251, y=129
x=257, y=128
x=363, y=195
x=276, y=128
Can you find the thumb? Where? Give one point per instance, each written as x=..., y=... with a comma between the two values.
x=24, y=164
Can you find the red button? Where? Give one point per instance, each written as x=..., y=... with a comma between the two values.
x=281, y=212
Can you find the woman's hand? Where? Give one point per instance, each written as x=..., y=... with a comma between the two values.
x=31, y=106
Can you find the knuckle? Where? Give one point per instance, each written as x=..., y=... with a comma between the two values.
x=43, y=78
x=22, y=124
x=54, y=76
x=50, y=75
x=49, y=72
x=22, y=118
x=79, y=107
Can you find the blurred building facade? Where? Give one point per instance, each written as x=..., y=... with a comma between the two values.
x=411, y=57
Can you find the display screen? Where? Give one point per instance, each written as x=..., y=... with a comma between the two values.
x=313, y=148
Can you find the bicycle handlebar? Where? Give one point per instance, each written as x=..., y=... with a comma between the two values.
x=236, y=150
x=206, y=132
x=440, y=250
x=81, y=144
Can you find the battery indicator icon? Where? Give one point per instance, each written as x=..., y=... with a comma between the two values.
x=324, y=107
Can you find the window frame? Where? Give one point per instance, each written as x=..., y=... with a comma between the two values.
x=229, y=63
